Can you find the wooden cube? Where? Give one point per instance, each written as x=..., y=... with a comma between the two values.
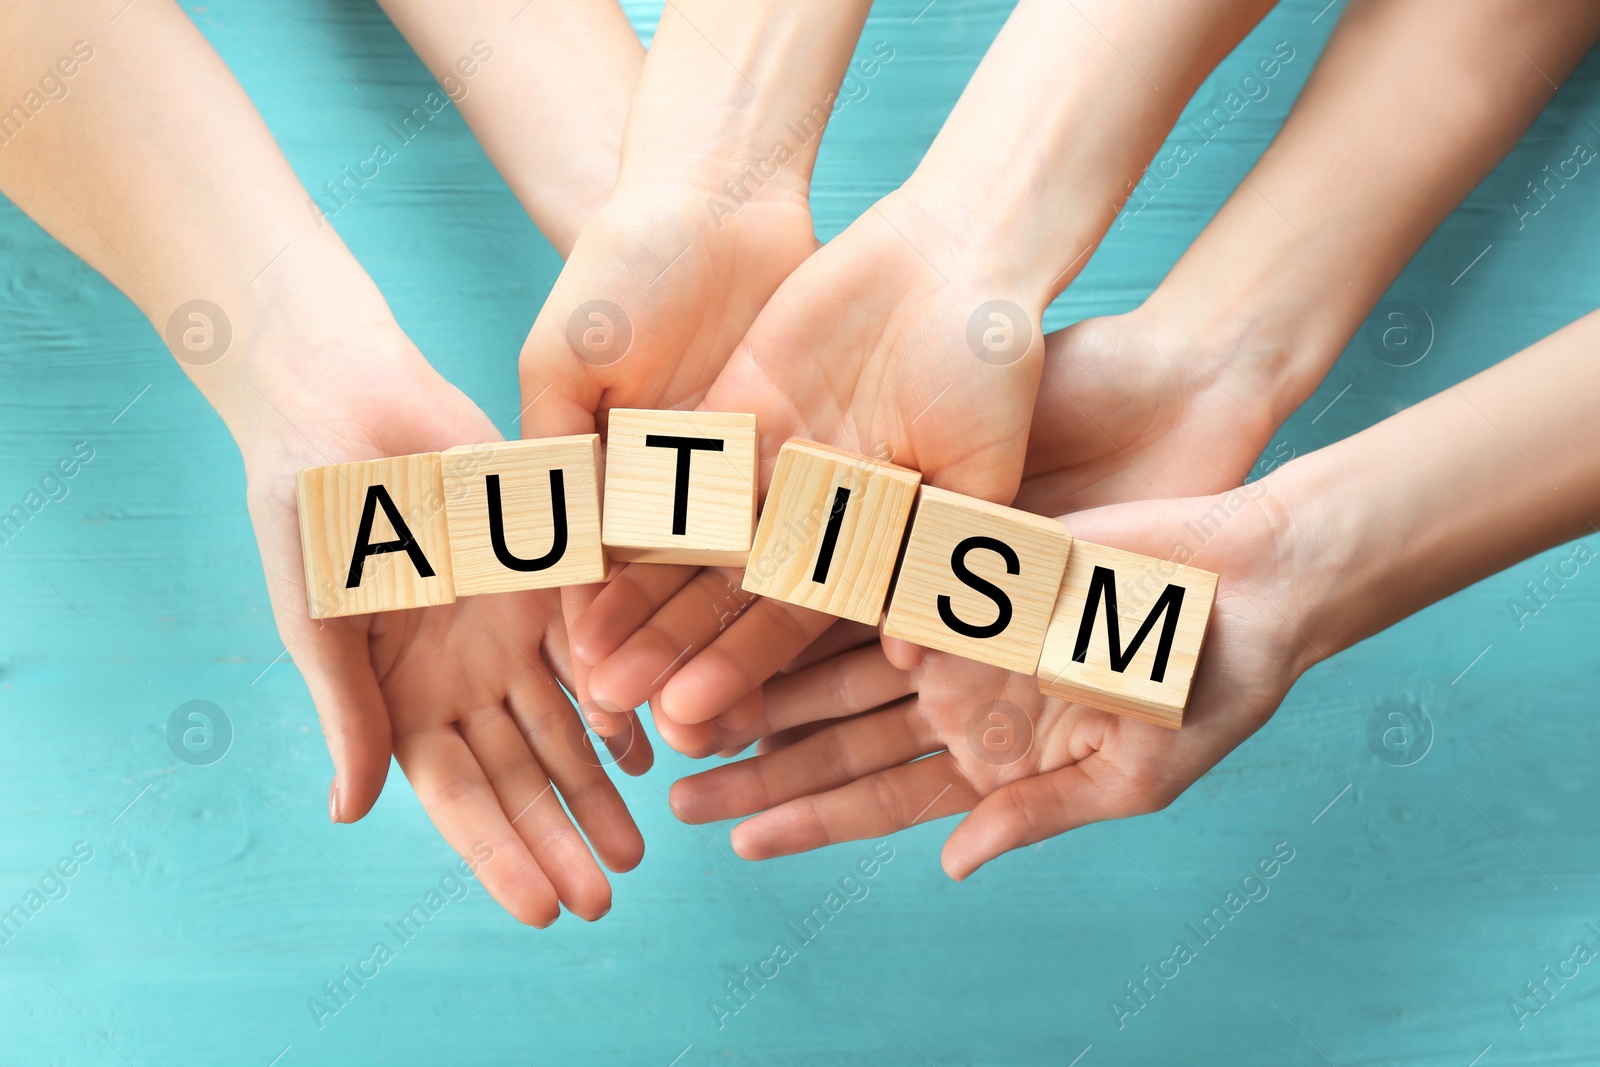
x=374, y=536
x=680, y=486
x=524, y=514
x=978, y=579
x=1126, y=633
x=830, y=532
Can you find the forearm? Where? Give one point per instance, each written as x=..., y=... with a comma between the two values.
x=1412, y=103
x=1061, y=118
x=735, y=89
x=545, y=87
x=1447, y=492
x=156, y=169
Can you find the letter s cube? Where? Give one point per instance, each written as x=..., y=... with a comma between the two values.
x=978, y=580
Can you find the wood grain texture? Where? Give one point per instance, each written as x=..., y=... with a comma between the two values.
x=220, y=900
x=333, y=501
x=526, y=476
x=644, y=519
x=802, y=523
x=999, y=613
x=1128, y=667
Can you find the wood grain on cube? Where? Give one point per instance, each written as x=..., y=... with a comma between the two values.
x=978, y=580
x=680, y=486
x=374, y=536
x=830, y=531
x=1143, y=664
x=524, y=514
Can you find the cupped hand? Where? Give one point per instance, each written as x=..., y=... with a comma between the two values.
x=893, y=341
x=1171, y=399
x=661, y=285
x=465, y=695
x=952, y=735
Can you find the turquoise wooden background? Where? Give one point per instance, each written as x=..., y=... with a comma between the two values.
x=218, y=899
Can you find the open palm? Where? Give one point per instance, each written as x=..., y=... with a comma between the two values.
x=959, y=736
x=464, y=694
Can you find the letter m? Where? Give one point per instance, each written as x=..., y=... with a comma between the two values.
x=1103, y=586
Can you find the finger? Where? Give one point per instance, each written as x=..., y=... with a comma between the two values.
x=620, y=731
x=843, y=636
x=793, y=736
x=528, y=798
x=559, y=394
x=745, y=713
x=631, y=749
x=1024, y=812
x=849, y=751
x=605, y=720
x=457, y=796
x=843, y=686
x=559, y=743
x=333, y=657
x=751, y=650
x=684, y=625
x=901, y=653
x=879, y=804
x=696, y=740
x=632, y=593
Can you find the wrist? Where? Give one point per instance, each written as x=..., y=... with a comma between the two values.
x=313, y=340
x=738, y=96
x=1333, y=553
x=979, y=247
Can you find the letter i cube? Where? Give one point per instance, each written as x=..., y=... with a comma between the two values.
x=830, y=532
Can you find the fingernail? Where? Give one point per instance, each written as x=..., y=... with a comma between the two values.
x=333, y=802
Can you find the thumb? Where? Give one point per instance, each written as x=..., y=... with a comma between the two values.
x=560, y=394
x=333, y=657
x=1021, y=813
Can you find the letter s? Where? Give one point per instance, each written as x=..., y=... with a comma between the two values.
x=958, y=565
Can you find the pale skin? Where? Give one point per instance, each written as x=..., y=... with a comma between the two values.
x=304, y=333
x=864, y=343
x=1326, y=551
x=317, y=372
x=1182, y=395
x=1315, y=557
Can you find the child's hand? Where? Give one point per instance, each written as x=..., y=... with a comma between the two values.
x=1026, y=766
x=466, y=693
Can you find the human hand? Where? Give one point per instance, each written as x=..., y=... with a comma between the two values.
x=1173, y=398
x=926, y=316
x=465, y=694
x=866, y=346
x=1026, y=766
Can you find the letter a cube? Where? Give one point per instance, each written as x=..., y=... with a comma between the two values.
x=374, y=537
